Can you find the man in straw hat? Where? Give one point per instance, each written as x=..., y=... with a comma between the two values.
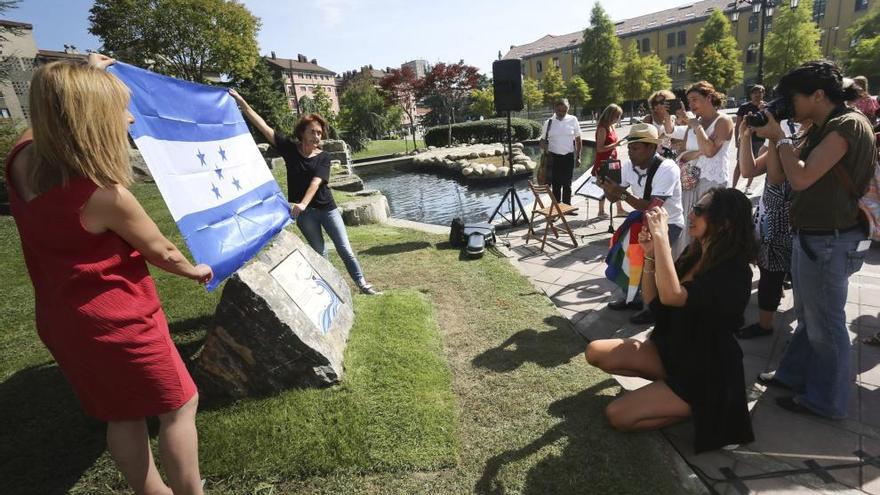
x=647, y=180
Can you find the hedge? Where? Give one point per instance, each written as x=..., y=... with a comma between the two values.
x=483, y=131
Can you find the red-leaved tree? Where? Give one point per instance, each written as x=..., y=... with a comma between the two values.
x=401, y=89
x=450, y=83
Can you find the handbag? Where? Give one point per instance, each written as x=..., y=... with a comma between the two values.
x=690, y=172
x=544, y=165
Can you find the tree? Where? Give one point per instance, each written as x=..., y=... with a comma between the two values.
x=483, y=102
x=265, y=94
x=189, y=39
x=364, y=115
x=634, y=76
x=658, y=76
x=401, y=86
x=793, y=41
x=450, y=84
x=577, y=92
x=864, y=56
x=552, y=85
x=532, y=95
x=600, y=58
x=716, y=56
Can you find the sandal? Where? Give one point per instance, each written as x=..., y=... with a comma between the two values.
x=872, y=340
x=754, y=330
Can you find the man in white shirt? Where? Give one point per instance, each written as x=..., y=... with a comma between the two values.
x=654, y=181
x=561, y=137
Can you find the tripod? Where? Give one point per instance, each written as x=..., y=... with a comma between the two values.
x=510, y=195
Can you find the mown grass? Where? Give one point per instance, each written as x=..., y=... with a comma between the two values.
x=379, y=147
x=529, y=408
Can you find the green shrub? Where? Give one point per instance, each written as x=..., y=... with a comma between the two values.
x=483, y=131
x=9, y=133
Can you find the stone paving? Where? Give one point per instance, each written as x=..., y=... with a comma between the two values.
x=792, y=453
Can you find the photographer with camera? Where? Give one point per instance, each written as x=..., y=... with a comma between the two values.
x=828, y=176
x=654, y=181
x=663, y=106
x=754, y=105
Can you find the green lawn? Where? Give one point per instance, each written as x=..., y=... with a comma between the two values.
x=461, y=379
x=386, y=147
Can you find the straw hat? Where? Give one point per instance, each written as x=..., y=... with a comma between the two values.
x=643, y=133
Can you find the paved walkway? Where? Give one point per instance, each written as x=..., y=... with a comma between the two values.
x=792, y=453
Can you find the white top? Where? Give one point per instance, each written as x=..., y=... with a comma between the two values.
x=666, y=184
x=665, y=140
x=715, y=168
x=562, y=134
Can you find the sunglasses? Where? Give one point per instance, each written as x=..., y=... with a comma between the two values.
x=699, y=210
x=658, y=102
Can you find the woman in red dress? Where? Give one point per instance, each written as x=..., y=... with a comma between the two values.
x=85, y=240
x=606, y=147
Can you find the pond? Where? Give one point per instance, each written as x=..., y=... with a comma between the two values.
x=428, y=196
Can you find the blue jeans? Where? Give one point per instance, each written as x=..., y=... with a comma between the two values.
x=310, y=222
x=816, y=364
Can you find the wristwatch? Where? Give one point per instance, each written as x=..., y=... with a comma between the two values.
x=784, y=141
x=624, y=196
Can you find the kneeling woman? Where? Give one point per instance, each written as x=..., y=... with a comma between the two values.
x=692, y=357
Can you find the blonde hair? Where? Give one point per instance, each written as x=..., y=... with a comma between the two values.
x=611, y=113
x=78, y=121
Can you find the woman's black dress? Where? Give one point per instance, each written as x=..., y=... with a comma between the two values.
x=702, y=359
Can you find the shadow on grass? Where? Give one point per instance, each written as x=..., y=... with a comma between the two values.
x=46, y=442
x=547, y=349
x=564, y=473
x=403, y=247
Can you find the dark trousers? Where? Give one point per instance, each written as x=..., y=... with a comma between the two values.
x=770, y=289
x=561, y=171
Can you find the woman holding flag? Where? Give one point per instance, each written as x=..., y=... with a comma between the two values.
x=86, y=241
x=692, y=357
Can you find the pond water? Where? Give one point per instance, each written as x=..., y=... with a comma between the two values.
x=429, y=196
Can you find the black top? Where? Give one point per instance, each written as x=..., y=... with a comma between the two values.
x=301, y=171
x=702, y=359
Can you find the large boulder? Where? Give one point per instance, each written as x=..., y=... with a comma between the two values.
x=346, y=182
x=139, y=170
x=283, y=321
x=369, y=207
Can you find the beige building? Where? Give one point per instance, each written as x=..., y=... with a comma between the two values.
x=302, y=77
x=671, y=34
x=19, y=53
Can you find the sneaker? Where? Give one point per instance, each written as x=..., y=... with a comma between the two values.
x=623, y=305
x=643, y=317
x=748, y=190
x=369, y=290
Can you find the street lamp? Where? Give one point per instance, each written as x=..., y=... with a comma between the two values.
x=765, y=8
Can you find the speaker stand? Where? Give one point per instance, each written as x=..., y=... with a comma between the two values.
x=510, y=195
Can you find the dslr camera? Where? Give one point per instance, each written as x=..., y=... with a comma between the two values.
x=610, y=169
x=781, y=108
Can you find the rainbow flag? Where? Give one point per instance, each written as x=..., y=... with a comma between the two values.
x=625, y=258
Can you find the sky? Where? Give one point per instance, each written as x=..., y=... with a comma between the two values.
x=347, y=34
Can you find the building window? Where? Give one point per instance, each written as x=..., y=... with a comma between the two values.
x=819, y=10
x=670, y=40
x=556, y=62
x=768, y=23
x=523, y=68
x=576, y=59
x=670, y=64
x=682, y=38
x=861, y=5
x=646, y=45
x=682, y=64
x=753, y=23
x=4, y=113
x=752, y=54
x=539, y=66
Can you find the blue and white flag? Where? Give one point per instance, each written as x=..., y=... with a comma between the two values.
x=213, y=178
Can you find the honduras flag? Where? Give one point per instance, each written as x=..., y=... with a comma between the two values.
x=216, y=184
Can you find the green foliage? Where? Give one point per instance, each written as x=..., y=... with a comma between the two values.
x=658, y=77
x=793, y=41
x=578, y=93
x=532, y=94
x=716, y=56
x=483, y=131
x=634, y=76
x=552, y=86
x=600, y=58
x=189, y=39
x=265, y=94
x=863, y=58
x=364, y=115
x=9, y=134
x=483, y=102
